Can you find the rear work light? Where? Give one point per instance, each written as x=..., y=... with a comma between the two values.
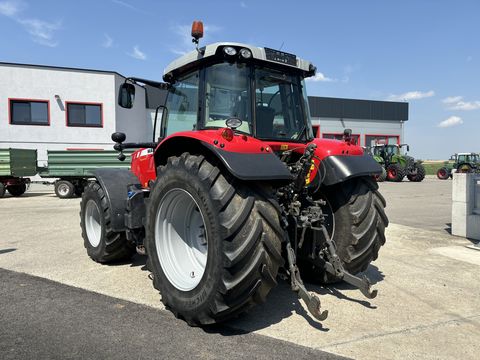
x=230, y=51
x=245, y=53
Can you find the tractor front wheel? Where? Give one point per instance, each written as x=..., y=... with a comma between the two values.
x=395, y=173
x=355, y=221
x=443, y=173
x=102, y=243
x=419, y=175
x=213, y=242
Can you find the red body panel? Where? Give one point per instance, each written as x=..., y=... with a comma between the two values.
x=143, y=163
x=143, y=166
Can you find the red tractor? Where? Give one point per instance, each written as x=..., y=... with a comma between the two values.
x=236, y=189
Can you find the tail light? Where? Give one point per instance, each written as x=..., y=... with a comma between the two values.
x=227, y=134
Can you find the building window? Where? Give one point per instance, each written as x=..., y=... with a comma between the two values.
x=29, y=112
x=338, y=136
x=372, y=140
x=84, y=114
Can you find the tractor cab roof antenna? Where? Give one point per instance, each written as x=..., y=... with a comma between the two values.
x=197, y=34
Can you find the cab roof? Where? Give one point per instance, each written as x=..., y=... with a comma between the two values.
x=275, y=57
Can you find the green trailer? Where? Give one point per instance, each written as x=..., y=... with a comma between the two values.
x=72, y=169
x=16, y=165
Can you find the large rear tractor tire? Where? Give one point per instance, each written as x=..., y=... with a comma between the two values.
x=443, y=173
x=17, y=189
x=102, y=243
x=420, y=174
x=64, y=189
x=464, y=168
x=395, y=173
x=2, y=190
x=213, y=242
x=356, y=222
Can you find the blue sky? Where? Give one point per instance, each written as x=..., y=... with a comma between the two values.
x=424, y=52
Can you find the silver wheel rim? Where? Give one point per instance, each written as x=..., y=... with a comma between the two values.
x=181, y=239
x=93, y=223
x=63, y=189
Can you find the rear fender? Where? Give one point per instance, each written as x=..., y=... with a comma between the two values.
x=338, y=168
x=338, y=161
x=244, y=162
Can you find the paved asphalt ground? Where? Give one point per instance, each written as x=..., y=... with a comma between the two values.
x=57, y=303
x=42, y=319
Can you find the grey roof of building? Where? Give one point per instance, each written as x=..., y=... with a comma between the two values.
x=327, y=107
x=52, y=67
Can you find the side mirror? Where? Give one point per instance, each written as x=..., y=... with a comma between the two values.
x=408, y=147
x=126, y=95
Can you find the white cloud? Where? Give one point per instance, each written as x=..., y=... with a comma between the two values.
x=242, y=4
x=451, y=121
x=183, y=32
x=411, y=95
x=137, y=53
x=42, y=31
x=11, y=7
x=320, y=77
x=457, y=103
x=107, y=42
x=129, y=6
x=452, y=99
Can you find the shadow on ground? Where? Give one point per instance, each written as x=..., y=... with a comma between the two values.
x=448, y=228
x=5, y=251
x=282, y=302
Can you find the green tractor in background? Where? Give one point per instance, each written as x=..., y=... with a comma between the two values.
x=397, y=165
x=460, y=162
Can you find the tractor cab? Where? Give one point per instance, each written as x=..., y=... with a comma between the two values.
x=255, y=91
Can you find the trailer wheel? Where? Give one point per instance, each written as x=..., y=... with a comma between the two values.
x=17, y=189
x=213, y=242
x=102, y=243
x=356, y=221
x=2, y=190
x=64, y=189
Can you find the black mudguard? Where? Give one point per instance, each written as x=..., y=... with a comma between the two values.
x=115, y=184
x=338, y=168
x=246, y=166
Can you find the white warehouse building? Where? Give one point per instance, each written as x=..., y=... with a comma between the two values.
x=55, y=108
x=58, y=108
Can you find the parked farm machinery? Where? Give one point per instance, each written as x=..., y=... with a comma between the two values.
x=396, y=164
x=236, y=189
x=460, y=162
